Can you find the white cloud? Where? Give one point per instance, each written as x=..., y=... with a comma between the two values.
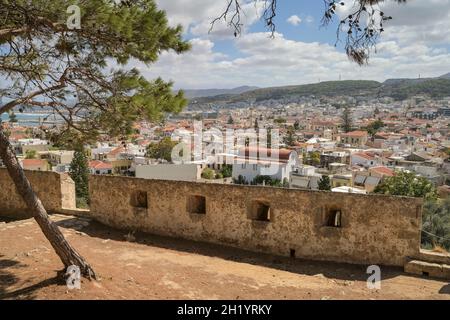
x=309, y=19
x=408, y=48
x=294, y=20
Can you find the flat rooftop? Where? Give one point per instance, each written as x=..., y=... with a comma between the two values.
x=153, y=267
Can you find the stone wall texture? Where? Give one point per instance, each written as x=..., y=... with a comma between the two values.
x=374, y=229
x=56, y=191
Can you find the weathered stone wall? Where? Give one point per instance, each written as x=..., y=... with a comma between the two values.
x=56, y=191
x=374, y=229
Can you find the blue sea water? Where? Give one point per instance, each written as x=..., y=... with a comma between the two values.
x=31, y=119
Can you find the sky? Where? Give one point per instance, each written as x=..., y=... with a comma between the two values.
x=416, y=42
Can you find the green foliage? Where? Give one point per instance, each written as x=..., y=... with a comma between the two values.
x=240, y=180
x=434, y=88
x=279, y=121
x=12, y=117
x=230, y=120
x=314, y=158
x=296, y=125
x=81, y=203
x=325, y=183
x=347, y=119
x=269, y=181
x=219, y=175
x=374, y=127
x=407, y=184
x=79, y=172
x=30, y=154
x=208, y=174
x=436, y=224
x=161, y=149
x=326, y=88
x=72, y=65
x=227, y=171
x=290, y=139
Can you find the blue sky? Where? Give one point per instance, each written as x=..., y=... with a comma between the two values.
x=415, y=42
x=308, y=30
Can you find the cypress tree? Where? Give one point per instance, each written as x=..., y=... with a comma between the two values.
x=79, y=172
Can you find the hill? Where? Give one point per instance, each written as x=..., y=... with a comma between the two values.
x=200, y=93
x=398, y=89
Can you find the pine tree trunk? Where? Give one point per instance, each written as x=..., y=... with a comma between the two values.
x=68, y=255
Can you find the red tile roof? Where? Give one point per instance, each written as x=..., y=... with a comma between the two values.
x=96, y=164
x=33, y=162
x=281, y=154
x=364, y=155
x=383, y=170
x=355, y=134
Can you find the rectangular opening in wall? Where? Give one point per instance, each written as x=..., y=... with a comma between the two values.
x=139, y=199
x=196, y=204
x=292, y=253
x=333, y=218
x=259, y=211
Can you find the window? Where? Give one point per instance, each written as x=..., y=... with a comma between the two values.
x=139, y=199
x=333, y=218
x=255, y=167
x=196, y=204
x=259, y=211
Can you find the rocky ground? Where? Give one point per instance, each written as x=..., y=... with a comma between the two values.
x=142, y=266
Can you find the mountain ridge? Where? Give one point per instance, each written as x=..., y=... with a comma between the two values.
x=399, y=89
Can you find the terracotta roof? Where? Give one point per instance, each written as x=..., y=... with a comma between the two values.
x=383, y=170
x=355, y=134
x=34, y=162
x=96, y=164
x=364, y=155
x=281, y=154
x=116, y=151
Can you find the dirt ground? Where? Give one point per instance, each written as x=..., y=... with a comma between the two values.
x=153, y=267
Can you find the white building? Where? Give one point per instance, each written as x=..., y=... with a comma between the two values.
x=365, y=160
x=305, y=177
x=253, y=162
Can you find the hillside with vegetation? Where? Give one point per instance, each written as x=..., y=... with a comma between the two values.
x=398, y=89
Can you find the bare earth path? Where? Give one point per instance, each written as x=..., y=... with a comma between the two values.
x=153, y=267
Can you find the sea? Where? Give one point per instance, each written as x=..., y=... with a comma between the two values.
x=33, y=119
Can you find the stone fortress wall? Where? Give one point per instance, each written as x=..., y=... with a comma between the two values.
x=316, y=225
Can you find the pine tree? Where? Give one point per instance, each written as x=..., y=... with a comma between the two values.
x=325, y=183
x=79, y=172
x=50, y=64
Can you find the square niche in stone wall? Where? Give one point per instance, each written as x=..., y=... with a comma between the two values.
x=259, y=210
x=196, y=204
x=139, y=200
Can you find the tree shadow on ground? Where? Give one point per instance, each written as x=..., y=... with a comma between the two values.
x=28, y=293
x=7, y=278
x=340, y=271
x=445, y=289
